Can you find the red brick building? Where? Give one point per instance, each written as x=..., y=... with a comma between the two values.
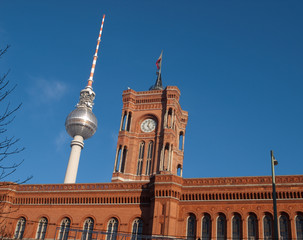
x=148, y=195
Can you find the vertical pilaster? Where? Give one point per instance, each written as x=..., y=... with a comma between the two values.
x=229, y=227
x=260, y=228
x=244, y=227
x=171, y=161
x=121, y=122
x=214, y=227
x=169, y=158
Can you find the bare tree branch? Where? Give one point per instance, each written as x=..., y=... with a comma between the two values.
x=9, y=146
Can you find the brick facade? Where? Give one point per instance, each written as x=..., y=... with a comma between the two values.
x=167, y=204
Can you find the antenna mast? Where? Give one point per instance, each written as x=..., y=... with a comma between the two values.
x=91, y=76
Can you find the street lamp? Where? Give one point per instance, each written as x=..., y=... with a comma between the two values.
x=274, y=162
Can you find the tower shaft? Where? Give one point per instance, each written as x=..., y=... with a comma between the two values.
x=74, y=158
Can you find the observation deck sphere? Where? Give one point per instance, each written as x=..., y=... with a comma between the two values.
x=81, y=122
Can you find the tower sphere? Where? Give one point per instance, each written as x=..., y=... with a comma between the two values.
x=81, y=122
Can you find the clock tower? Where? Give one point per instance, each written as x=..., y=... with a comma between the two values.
x=151, y=135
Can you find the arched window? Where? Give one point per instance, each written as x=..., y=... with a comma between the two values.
x=88, y=227
x=118, y=156
x=123, y=159
x=129, y=119
x=149, y=157
x=170, y=118
x=20, y=227
x=181, y=141
x=206, y=227
x=237, y=227
x=284, y=227
x=299, y=226
x=191, y=227
x=252, y=227
x=166, y=157
x=41, y=230
x=221, y=227
x=268, y=227
x=123, y=121
x=112, y=229
x=179, y=170
x=64, y=229
x=140, y=158
x=137, y=229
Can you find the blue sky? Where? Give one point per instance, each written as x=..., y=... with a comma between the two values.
x=238, y=64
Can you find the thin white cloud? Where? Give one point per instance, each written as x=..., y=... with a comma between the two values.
x=45, y=91
x=61, y=140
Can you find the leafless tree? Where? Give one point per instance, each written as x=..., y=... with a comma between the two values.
x=9, y=145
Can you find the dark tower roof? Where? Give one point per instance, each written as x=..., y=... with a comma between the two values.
x=158, y=84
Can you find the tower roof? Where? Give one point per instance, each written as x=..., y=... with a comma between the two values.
x=158, y=84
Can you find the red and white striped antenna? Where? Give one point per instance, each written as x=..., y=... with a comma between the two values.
x=91, y=76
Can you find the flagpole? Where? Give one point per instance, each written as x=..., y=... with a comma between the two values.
x=159, y=75
x=273, y=163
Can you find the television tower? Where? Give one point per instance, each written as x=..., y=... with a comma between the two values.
x=81, y=123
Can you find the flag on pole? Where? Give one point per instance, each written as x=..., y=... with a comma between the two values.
x=159, y=61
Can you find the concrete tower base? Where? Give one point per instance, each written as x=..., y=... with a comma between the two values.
x=72, y=168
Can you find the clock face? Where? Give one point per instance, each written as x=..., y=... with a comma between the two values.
x=148, y=125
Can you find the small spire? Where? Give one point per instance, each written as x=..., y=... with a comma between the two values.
x=158, y=84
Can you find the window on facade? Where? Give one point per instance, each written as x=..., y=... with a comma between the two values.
x=41, y=230
x=64, y=229
x=166, y=157
x=88, y=227
x=170, y=118
x=236, y=227
x=191, y=227
x=140, y=158
x=129, y=119
x=112, y=229
x=149, y=157
x=123, y=121
x=123, y=159
x=181, y=136
x=299, y=226
x=20, y=227
x=179, y=168
x=284, y=227
x=221, y=227
x=206, y=227
x=268, y=227
x=118, y=159
x=252, y=227
x=137, y=229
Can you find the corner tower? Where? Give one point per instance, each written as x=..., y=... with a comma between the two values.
x=151, y=134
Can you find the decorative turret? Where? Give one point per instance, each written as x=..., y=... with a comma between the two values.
x=81, y=123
